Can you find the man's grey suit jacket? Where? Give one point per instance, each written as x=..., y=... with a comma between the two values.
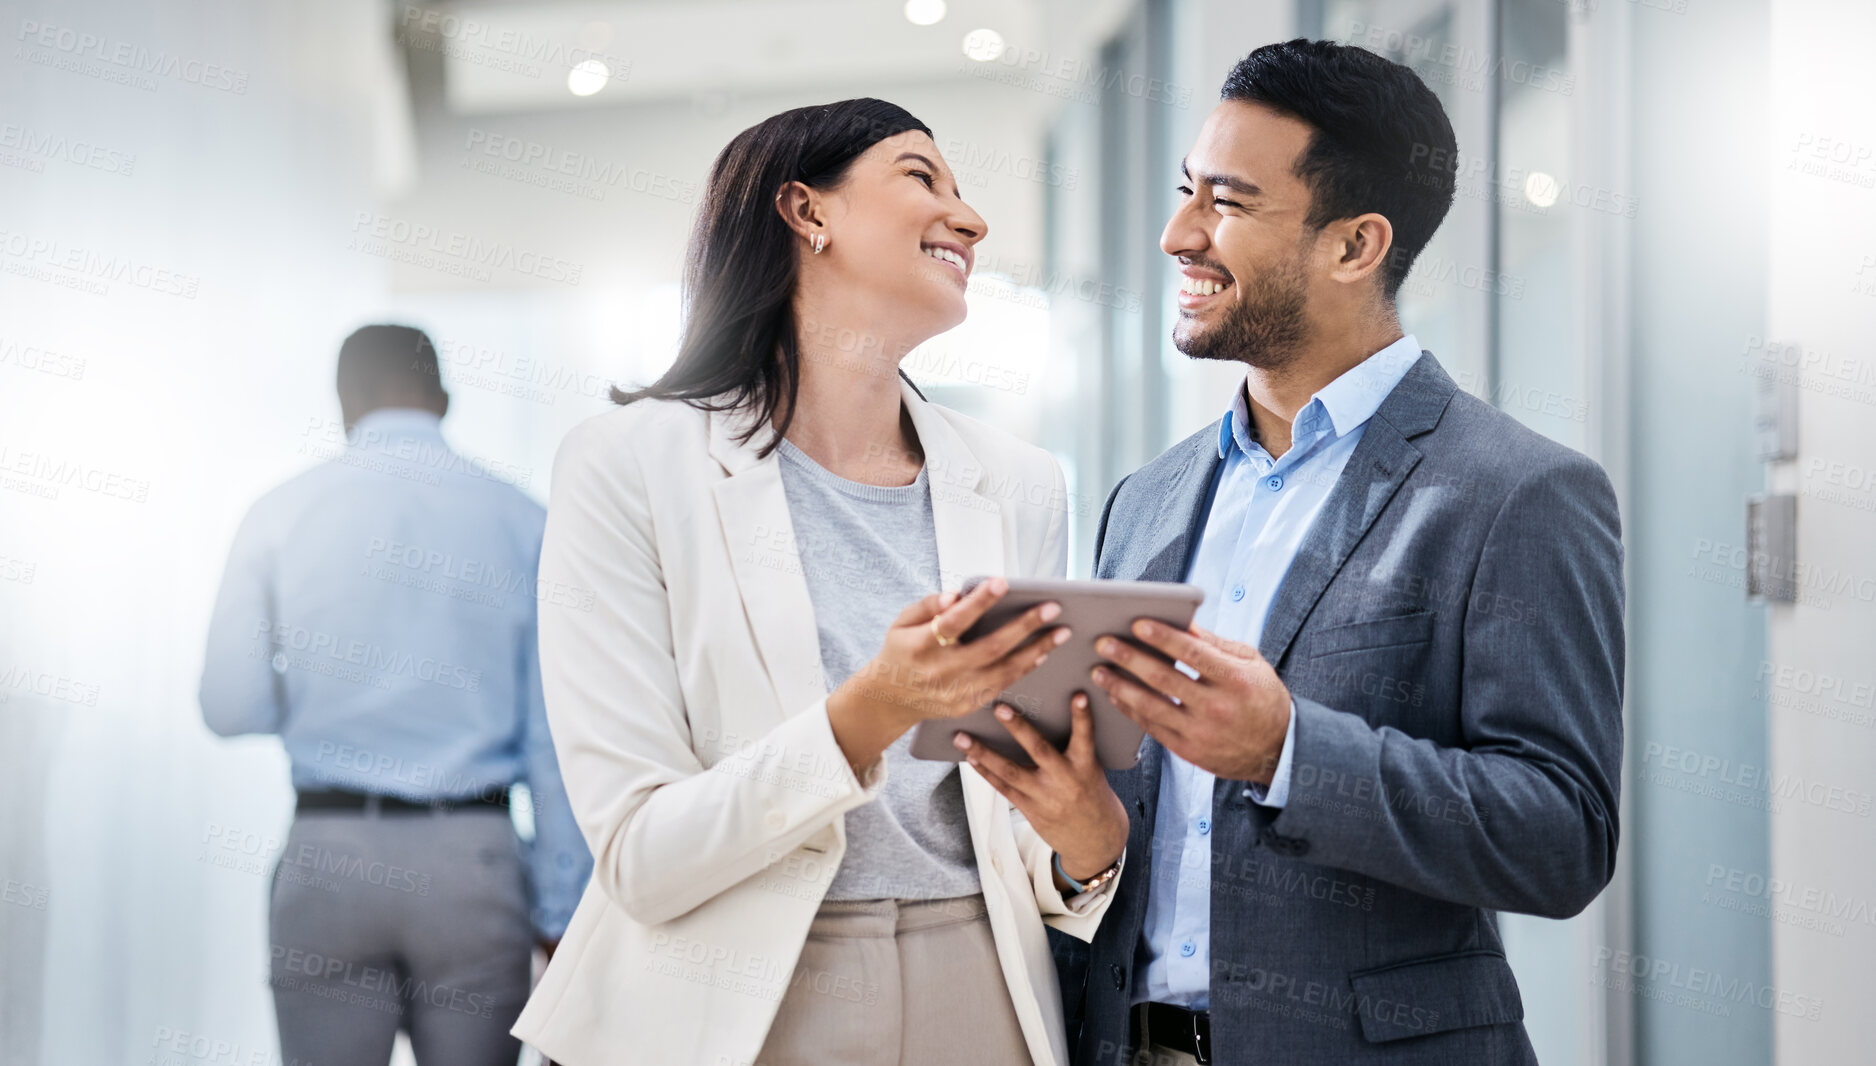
x=1451, y=631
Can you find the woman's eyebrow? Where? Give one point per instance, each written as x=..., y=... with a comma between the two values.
x=903, y=156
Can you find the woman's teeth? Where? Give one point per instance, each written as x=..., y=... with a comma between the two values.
x=948, y=256
x=1201, y=286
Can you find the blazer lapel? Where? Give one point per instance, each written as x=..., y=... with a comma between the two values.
x=1380, y=464
x=753, y=509
x=1174, y=529
x=969, y=525
x=767, y=564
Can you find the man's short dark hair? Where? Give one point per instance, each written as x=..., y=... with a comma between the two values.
x=376, y=356
x=1379, y=139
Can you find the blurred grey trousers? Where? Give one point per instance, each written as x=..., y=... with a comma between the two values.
x=412, y=919
x=897, y=983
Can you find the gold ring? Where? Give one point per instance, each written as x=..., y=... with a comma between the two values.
x=943, y=641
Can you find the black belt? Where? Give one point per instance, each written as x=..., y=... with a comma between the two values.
x=339, y=800
x=1174, y=1028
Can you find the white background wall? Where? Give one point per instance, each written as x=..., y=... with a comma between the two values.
x=1822, y=296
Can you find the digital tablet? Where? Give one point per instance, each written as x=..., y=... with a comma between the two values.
x=1090, y=609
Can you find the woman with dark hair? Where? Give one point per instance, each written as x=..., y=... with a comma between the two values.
x=748, y=601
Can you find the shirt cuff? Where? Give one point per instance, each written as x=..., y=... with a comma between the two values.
x=1277, y=793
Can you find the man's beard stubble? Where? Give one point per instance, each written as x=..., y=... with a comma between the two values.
x=1265, y=328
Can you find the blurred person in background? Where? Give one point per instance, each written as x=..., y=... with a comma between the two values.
x=379, y=613
x=778, y=880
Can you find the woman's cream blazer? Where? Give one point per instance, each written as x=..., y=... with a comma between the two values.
x=682, y=672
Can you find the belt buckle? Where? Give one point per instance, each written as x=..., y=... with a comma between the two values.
x=1201, y=1037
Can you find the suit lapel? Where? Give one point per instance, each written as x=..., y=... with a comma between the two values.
x=1174, y=529
x=1380, y=463
x=969, y=525
x=754, y=512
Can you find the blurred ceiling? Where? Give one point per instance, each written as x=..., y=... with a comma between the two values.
x=517, y=56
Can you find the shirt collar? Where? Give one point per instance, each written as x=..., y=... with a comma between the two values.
x=1345, y=403
x=391, y=423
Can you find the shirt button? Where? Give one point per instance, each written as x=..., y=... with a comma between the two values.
x=776, y=821
x=1205, y=826
x=1274, y=482
x=1237, y=593
x=1187, y=949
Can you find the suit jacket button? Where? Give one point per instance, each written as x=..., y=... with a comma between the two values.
x=1120, y=977
x=1299, y=846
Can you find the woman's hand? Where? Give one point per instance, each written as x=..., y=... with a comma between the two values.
x=923, y=671
x=1066, y=796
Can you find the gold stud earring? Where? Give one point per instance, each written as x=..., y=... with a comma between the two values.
x=820, y=242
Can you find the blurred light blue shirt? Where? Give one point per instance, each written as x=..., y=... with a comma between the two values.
x=1261, y=509
x=378, y=612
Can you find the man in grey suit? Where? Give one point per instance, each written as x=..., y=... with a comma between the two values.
x=1399, y=710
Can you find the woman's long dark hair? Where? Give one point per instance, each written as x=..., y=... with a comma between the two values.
x=739, y=347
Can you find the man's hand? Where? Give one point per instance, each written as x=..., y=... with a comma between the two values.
x=1230, y=721
x=1065, y=796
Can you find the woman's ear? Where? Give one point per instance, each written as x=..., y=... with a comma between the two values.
x=801, y=207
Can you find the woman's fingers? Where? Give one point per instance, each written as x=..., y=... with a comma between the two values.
x=921, y=611
x=1080, y=750
x=1041, y=752
x=1014, y=633
x=1005, y=776
x=962, y=613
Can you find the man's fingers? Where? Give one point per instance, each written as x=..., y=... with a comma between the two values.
x=1150, y=669
x=1212, y=662
x=1041, y=752
x=1232, y=647
x=1153, y=711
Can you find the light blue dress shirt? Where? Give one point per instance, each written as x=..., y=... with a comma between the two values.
x=378, y=612
x=1262, y=507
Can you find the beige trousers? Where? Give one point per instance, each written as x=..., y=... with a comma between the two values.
x=897, y=983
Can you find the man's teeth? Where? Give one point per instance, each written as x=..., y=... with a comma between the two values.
x=948, y=256
x=1200, y=286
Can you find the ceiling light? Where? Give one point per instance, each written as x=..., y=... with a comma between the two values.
x=983, y=45
x=924, y=12
x=588, y=78
x=1541, y=189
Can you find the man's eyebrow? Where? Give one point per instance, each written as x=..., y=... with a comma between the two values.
x=1238, y=185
